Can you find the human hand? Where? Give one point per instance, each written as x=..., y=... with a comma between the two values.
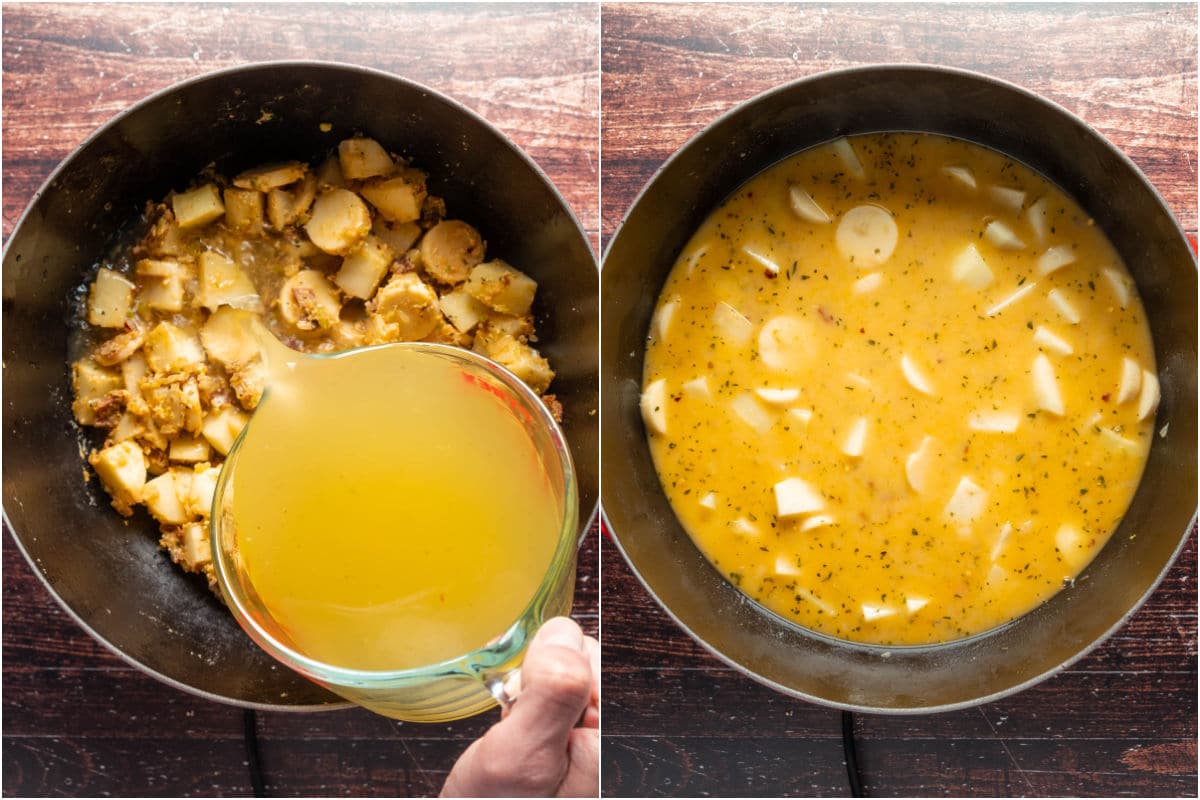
x=548, y=744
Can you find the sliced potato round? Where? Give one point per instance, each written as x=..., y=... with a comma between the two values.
x=783, y=342
x=450, y=250
x=340, y=220
x=308, y=301
x=867, y=236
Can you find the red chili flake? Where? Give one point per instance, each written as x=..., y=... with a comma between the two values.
x=677, y=398
x=769, y=274
x=862, y=330
x=1104, y=397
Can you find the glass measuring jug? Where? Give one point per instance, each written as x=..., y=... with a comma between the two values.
x=395, y=523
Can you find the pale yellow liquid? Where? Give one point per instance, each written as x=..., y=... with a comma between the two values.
x=390, y=513
x=890, y=566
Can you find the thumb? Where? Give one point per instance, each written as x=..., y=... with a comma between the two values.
x=556, y=684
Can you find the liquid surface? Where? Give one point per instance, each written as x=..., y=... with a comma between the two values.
x=390, y=512
x=899, y=389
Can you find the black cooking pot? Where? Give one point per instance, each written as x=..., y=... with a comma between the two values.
x=112, y=577
x=898, y=98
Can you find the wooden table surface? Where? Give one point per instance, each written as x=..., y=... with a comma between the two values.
x=1121, y=721
x=76, y=719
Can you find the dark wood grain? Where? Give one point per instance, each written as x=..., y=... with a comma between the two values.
x=77, y=720
x=1121, y=721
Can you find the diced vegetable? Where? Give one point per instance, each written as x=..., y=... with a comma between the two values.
x=1008, y=301
x=339, y=221
x=203, y=488
x=662, y=318
x=309, y=302
x=805, y=207
x=915, y=603
x=398, y=199
x=1131, y=380
x=1048, y=340
x=872, y=611
x=794, y=496
x=228, y=338
x=163, y=497
x=223, y=283
x=868, y=283
x=1045, y=386
x=518, y=358
x=709, y=500
x=822, y=606
x=1011, y=199
x=1150, y=395
x=197, y=550
x=110, y=299
x=654, y=406
x=1071, y=545
x=731, y=325
x=501, y=286
x=1120, y=285
x=1058, y=298
x=1002, y=236
x=697, y=387
x=91, y=383
x=1001, y=538
x=919, y=465
x=845, y=151
x=463, y=311
x=244, y=209
x=994, y=421
x=1055, y=259
x=967, y=503
x=855, y=441
x=801, y=417
x=1116, y=441
x=451, y=249
x=270, y=176
x=786, y=565
x=198, y=207
x=751, y=412
x=970, y=269
x=762, y=259
x=915, y=376
x=189, y=449
x=1038, y=220
x=364, y=268
x=745, y=527
x=816, y=521
x=221, y=428
x=399, y=236
x=778, y=397
x=694, y=258
x=866, y=236
x=408, y=310
x=170, y=349
x=783, y=342
x=122, y=470
x=363, y=158
x=960, y=174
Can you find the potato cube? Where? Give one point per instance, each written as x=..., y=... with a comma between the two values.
x=189, y=450
x=519, y=359
x=202, y=489
x=518, y=327
x=164, y=496
x=129, y=426
x=463, y=311
x=364, y=158
x=122, y=470
x=162, y=294
x=244, y=209
x=227, y=336
x=400, y=236
x=270, y=176
x=170, y=349
x=329, y=174
x=340, y=220
x=397, y=199
x=110, y=299
x=92, y=383
x=223, y=283
x=502, y=287
x=285, y=207
x=198, y=207
x=197, y=550
x=364, y=268
x=221, y=428
x=133, y=370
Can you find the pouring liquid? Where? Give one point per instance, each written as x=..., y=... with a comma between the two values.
x=391, y=511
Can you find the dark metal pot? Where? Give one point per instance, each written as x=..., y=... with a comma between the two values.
x=111, y=577
x=898, y=98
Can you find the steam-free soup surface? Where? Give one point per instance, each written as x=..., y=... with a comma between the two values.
x=899, y=389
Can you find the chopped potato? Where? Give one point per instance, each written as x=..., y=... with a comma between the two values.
x=332, y=257
x=110, y=299
x=364, y=158
x=502, y=287
x=198, y=207
x=397, y=199
x=340, y=221
x=450, y=250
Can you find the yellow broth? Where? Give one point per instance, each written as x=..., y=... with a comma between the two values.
x=899, y=389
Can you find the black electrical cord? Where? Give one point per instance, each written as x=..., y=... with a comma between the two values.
x=851, y=752
x=250, y=731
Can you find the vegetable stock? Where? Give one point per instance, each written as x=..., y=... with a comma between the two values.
x=899, y=389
